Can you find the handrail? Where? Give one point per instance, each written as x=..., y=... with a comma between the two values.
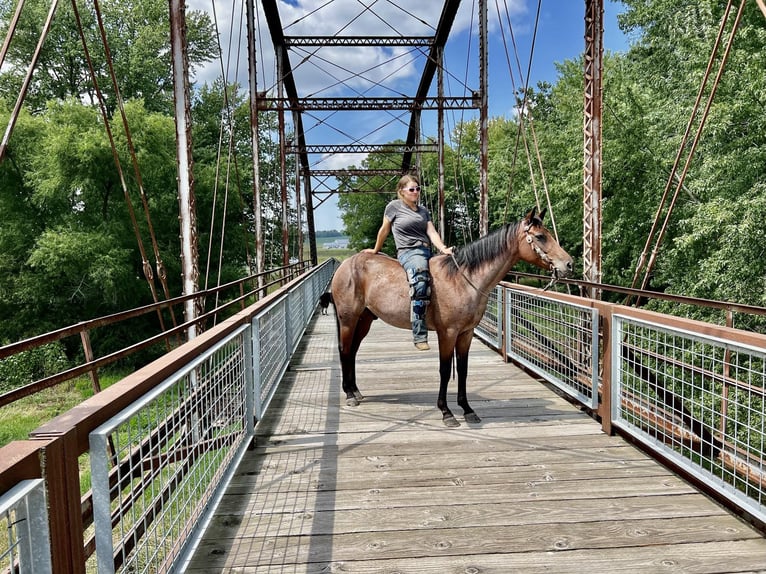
x=92, y=365
x=54, y=449
x=689, y=392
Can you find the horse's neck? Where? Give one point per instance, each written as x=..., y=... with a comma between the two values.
x=493, y=271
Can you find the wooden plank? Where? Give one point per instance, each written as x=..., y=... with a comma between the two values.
x=703, y=558
x=385, y=487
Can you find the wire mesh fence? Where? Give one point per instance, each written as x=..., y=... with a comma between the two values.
x=158, y=465
x=25, y=548
x=490, y=328
x=699, y=399
x=555, y=339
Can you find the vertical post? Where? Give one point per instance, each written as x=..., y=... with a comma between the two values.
x=62, y=480
x=310, y=219
x=605, y=408
x=253, y=80
x=186, y=201
x=483, y=119
x=88, y=351
x=298, y=205
x=440, y=140
x=594, y=31
x=282, y=155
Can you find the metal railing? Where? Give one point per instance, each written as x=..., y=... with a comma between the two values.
x=697, y=396
x=490, y=328
x=162, y=442
x=23, y=519
x=221, y=301
x=691, y=392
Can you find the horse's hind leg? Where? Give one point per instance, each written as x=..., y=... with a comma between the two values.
x=349, y=341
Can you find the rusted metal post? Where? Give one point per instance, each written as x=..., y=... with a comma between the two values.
x=594, y=32
x=298, y=203
x=282, y=156
x=62, y=479
x=310, y=218
x=253, y=80
x=88, y=352
x=483, y=120
x=605, y=404
x=186, y=201
x=440, y=140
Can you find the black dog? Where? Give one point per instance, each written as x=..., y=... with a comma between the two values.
x=324, y=301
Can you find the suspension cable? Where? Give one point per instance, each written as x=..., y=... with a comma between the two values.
x=649, y=264
x=129, y=139
x=146, y=266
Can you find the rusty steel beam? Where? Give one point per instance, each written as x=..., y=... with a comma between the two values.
x=363, y=148
x=447, y=18
x=260, y=256
x=594, y=31
x=186, y=201
x=353, y=172
x=357, y=41
x=407, y=103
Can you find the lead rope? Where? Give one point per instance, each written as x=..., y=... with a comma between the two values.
x=471, y=283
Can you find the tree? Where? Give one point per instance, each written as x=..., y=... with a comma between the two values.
x=722, y=192
x=138, y=36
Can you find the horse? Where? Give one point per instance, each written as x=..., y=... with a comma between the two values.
x=368, y=286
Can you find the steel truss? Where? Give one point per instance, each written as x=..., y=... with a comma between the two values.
x=317, y=186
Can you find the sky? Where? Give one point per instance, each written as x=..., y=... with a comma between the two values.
x=395, y=71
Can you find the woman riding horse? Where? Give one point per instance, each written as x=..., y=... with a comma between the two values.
x=368, y=286
x=414, y=232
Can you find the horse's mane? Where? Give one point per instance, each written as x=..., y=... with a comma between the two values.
x=487, y=248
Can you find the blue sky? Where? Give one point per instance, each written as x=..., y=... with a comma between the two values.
x=389, y=72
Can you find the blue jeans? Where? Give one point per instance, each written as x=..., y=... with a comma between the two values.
x=415, y=263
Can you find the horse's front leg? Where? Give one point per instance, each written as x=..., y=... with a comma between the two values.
x=446, y=349
x=461, y=350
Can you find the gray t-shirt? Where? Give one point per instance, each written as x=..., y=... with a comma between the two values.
x=408, y=226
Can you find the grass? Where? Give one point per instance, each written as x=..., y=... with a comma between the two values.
x=20, y=418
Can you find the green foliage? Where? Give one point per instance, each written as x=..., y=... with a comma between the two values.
x=138, y=37
x=28, y=366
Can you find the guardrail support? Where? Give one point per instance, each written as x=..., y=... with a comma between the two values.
x=61, y=473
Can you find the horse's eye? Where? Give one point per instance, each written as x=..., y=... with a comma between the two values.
x=540, y=237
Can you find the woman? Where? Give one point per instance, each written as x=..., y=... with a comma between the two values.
x=414, y=232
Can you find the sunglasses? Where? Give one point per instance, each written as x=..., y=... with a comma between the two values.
x=412, y=188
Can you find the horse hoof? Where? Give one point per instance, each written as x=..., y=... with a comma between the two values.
x=352, y=402
x=472, y=418
x=450, y=421
x=358, y=396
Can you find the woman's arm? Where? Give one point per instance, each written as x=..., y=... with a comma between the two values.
x=383, y=232
x=436, y=239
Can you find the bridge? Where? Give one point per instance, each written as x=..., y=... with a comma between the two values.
x=612, y=437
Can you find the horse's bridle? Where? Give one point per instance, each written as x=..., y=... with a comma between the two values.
x=542, y=255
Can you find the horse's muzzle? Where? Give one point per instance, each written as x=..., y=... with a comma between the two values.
x=562, y=269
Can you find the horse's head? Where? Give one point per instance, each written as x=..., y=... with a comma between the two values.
x=540, y=248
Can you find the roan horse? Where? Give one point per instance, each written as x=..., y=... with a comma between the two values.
x=367, y=286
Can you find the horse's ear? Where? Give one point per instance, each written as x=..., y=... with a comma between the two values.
x=542, y=213
x=530, y=216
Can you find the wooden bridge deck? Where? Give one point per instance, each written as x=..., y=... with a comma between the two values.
x=385, y=487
